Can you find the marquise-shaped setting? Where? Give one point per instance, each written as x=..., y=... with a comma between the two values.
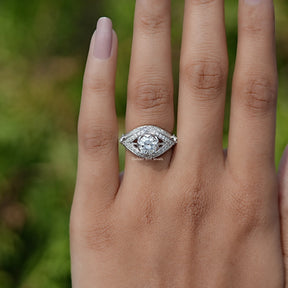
x=148, y=142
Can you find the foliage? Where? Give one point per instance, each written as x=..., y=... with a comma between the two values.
x=42, y=56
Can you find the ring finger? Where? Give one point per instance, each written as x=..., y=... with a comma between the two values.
x=150, y=86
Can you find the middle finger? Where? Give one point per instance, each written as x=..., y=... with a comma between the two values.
x=203, y=76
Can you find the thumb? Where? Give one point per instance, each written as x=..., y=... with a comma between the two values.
x=283, y=197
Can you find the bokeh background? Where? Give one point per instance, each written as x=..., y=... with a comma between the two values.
x=43, y=48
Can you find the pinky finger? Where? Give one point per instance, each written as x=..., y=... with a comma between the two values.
x=283, y=182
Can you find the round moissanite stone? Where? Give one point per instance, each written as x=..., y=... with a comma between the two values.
x=148, y=143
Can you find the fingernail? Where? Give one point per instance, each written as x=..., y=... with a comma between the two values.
x=103, y=38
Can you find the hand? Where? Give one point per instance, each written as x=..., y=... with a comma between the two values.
x=197, y=218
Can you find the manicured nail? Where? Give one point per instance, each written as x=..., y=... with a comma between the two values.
x=103, y=38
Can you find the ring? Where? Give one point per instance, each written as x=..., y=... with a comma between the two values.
x=148, y=142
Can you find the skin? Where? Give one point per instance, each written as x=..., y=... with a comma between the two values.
x=199, y=217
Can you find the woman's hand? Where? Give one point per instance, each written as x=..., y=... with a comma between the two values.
x=198, y=218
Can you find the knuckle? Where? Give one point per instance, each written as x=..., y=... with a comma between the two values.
x=202, y=2
x=253, y=28
x=192, y=204
x=97, y=86
x=147, y=212
x=152, y=97
x=98, y=234
x=95, y=139
x=152, y=23
x=260, y=94
x=206, y=78
x=247, y=204
x=256, y=23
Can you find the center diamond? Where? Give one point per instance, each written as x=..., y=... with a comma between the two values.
x=148, y=143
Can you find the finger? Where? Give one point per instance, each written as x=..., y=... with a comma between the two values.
x=150, y=87
x=97, y=179
x=283, y=183
x=203, y=73
x=253, y=108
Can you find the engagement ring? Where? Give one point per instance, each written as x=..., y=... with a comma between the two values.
x=148, y=142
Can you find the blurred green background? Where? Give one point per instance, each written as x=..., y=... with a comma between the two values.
x=43, y=48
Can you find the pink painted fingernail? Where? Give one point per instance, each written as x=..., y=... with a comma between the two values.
x=103, y=38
